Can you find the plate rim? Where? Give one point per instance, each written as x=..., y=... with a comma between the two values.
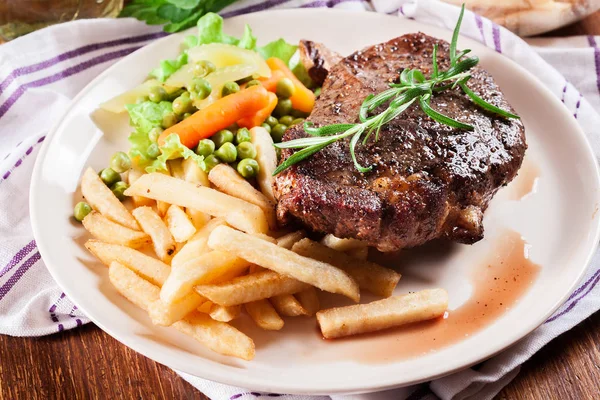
x=274, y=386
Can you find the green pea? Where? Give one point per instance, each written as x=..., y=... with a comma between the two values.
x=120, y=162
x=286, y=120
x=173, y=95
x=233, y=127
x=299, y=114
x=298, y=121
x=246, y=150
x=155, y=133
x=227, y=152
x=211, y=162
x=187, y=115
x=229, y=88
x=201, y=88
x=242, y=135
x=153, y=151
x=203, y=68
x=141, y=99
x=248, y=168
x=118, y=189
x=109, y=176
x=169, y=120
x=277, y=132
x=222, y=137
x=266, y=126
x=181, y=105
x=157, y=94
x=271, y=121
x=81, y=210
x=285, y=88
x=205, y=147
x=253, y=82
x=244, y=80
x=284, y=107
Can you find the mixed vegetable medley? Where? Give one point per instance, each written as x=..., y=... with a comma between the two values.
x=201, y=105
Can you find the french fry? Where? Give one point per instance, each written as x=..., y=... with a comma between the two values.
x=247, y=288
x=108, y=231
x=194, y=174
x=324, y=276
x=341, y=244
x=196, y=245
x=268, y=238
x=162, y=207
x=198, y=218
x=382, y=314
x=238, y=213
x=147, y=267
x=266, y=158
x=206, y=307
x=287, y=305
x=179, y=224
x=370, y=276
x=360, y=253
x=288, y=240
x=102, y=199
x=264, y=315
x=138, y=201
x=225, y=313
x=215, y=266
x=309, y=300
x=165, y=314
x=217, y=336
x=162, y=240
x=229, y=181
x=176, y=168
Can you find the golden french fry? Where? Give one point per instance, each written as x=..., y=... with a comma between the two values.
x=198, y=218
x=165, y=314
x=162, y=240
x=162, y=207
x=225, y=313
x=309, y=300
x=264, y=315
x=360, y=253
x=193, y=173
x=382, y=314
x=238, y=213
x=341, y=244
x=229, y=181
x=197, y=244
x=266, y=158
x=206, y=307
x=102, y=199
x=247, y=288
x=138, y=201
x=176, y=168
x=179, y=224
x=215, y=266
x=108, y=231
x=288, y=240
x=370, y=276
x=287, y=305
x=148, y=267
x=286, y=262
x=217, y=336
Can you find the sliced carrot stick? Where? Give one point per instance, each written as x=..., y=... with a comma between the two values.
x=270, y=83
x=261, y=115
x=218, y=115
x=303, y=98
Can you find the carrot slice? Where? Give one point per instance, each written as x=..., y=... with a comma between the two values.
x=218, y=115
x=270, y=83
x=303, y=98
x=261, y=115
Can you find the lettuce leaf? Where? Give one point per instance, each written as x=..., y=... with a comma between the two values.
x=144, y=117
x=278, y=48
x=169, y=67
x=173, y=149
x=210, y=30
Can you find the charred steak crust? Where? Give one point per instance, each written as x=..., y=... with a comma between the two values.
x=429, y=180
x=317, y=60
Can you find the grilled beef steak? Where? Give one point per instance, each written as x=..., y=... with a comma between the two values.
x=429, y=180
x=317, y=59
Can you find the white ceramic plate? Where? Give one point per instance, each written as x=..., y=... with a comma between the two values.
x=558, y=221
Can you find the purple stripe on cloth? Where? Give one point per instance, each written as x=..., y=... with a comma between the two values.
x=592, y=42
x=578, y=105
x=75, y=53
x=78, y=321
x=564, y=92
x=20, y=161
x=574, y=303
x=12, y=281
x=265, y=5
x=479, y=22
x=56, y=303
x=328, y=3
x=496, y=35
x=17, y=258
x=61, y=327
x=64, y=74
x=582, y=287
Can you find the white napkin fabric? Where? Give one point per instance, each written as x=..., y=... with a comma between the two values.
x=41, y=72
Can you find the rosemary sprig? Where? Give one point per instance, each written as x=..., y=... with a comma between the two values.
x=413, y=88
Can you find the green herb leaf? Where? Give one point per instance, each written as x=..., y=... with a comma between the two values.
x=173, y=13
x=439, y=117
x=434, y=73
x=485, y=105
x=301, y=155
x=455, y=34
x=185, y=4
x=353, y=143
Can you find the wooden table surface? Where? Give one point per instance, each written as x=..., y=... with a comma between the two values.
x=87, y=363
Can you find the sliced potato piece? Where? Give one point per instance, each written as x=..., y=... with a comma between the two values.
x=245, y=289
x=165, y=314
x=162, y=207
x=287, y=305
x=179, y=224
x=196, y=245
x=238, y=213
x=229, y=181
x=138, y=201
x=382, y=314
x=162, y=240
x=225, y=313
x=110, y=232
x=176, y=168
x=316, y=273
x=370, y=276
x=264, y=315
x=309, y=300
x=102, y=199
x=341, y=244
x=206, y=307
x=288, y=240
x=147, y=267
x=360, y=253
x=266, y=156
x=194, y=174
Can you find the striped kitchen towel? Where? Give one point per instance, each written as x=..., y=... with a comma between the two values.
x=41, y=72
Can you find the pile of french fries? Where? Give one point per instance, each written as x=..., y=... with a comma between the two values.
x=196, y=250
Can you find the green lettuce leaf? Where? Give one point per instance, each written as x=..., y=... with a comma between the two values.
x=248, y=41
x=169, y=67
x=173, y=149
x=278, y=48
x=210, y=30
x=144, y=117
